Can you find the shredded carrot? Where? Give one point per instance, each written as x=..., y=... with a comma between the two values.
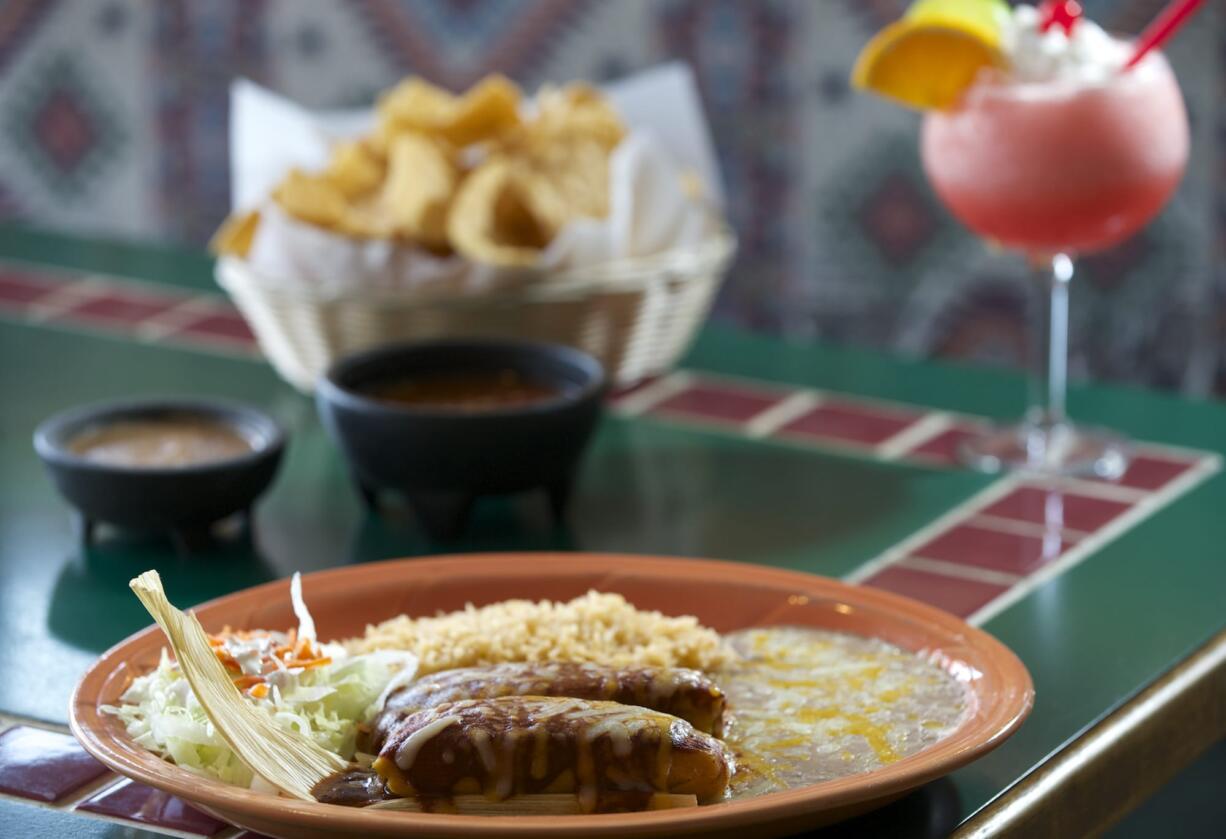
x=259, y=691
x=308, y=663
x=247, y=681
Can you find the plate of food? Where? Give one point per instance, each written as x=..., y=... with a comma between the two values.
x=547, y=695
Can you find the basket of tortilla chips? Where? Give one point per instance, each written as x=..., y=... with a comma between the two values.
x=481, y=214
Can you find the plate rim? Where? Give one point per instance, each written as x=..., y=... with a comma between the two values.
x=1000, y=722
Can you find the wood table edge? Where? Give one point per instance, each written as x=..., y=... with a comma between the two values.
x=1119, y=761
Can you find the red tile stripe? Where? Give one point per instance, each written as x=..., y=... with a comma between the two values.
x=49, y=768
x=848, y=422
x=851, y=423
x=141, y=311
x=44, y=765
x=962, y=597
x=1065, y=510
x=719, y=403
x=1018, y=532
x=143, y=804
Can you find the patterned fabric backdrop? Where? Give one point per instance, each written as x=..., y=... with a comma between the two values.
x=113, y=121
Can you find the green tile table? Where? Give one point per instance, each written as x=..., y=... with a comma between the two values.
x=836, y=462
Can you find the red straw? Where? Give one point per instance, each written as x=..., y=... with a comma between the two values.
x=1163, y=27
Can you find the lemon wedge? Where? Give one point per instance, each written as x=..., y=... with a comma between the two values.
x=934, y=52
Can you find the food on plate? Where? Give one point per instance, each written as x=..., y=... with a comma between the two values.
x=521, y=745
x=462, y=390
x=546, y=708
x=478, y=174
x=809, y=705
x=170, y=442
x=600, y=627
x=317, y=690
x=686, y=694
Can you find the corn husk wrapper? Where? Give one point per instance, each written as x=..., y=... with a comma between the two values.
x=290, y=762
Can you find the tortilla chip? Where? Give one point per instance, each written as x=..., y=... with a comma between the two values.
x=311, y=198
x=236, y=234
x=488, y=110
x=356, y=169
x=421, y=179
x=492, y=222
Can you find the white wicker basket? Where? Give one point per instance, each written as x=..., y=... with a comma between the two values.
x=637, y=316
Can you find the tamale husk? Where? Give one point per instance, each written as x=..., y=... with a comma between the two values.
x=289, y=761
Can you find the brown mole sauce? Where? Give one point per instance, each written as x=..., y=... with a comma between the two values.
x=363, y=787
x=517, y=756
x=461, y=390
x=511, y=746
x=352, y=788
x=687, y=694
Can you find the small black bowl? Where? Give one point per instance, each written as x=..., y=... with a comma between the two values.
x=443, y=458
x=183, y=500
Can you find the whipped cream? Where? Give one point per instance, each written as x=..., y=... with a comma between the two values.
x=1088, y=56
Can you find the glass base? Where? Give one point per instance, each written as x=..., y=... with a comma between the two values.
x=1055, y=449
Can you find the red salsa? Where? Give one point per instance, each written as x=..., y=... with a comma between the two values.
x=466, y=391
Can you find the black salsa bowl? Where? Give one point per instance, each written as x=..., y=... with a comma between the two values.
x=178, y=499
x=444, y=457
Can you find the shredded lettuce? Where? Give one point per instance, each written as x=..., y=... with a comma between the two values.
x=324, y=703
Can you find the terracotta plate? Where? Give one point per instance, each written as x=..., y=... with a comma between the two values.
x=723, y=595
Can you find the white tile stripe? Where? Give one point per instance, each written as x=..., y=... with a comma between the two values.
x=782, y=412
x=914, y=435
x=948, y=520
x=1170, y=450
x=1145, y=508
x=954, y=569
x=107, y=782
x=54, y=274
x=68, y=296
x=868, y=402
x=653, y=394
x=1105, y=491
x=1020, y=527
x=172, y=320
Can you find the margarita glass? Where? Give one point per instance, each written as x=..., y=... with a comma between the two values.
x=1055, y=169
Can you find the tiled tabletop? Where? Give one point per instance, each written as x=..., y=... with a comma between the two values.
x=830, y=461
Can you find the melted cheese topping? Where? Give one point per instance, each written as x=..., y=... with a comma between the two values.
x=407, y=753
x=808, y=706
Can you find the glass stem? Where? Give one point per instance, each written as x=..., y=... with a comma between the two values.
x=1050, y=349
